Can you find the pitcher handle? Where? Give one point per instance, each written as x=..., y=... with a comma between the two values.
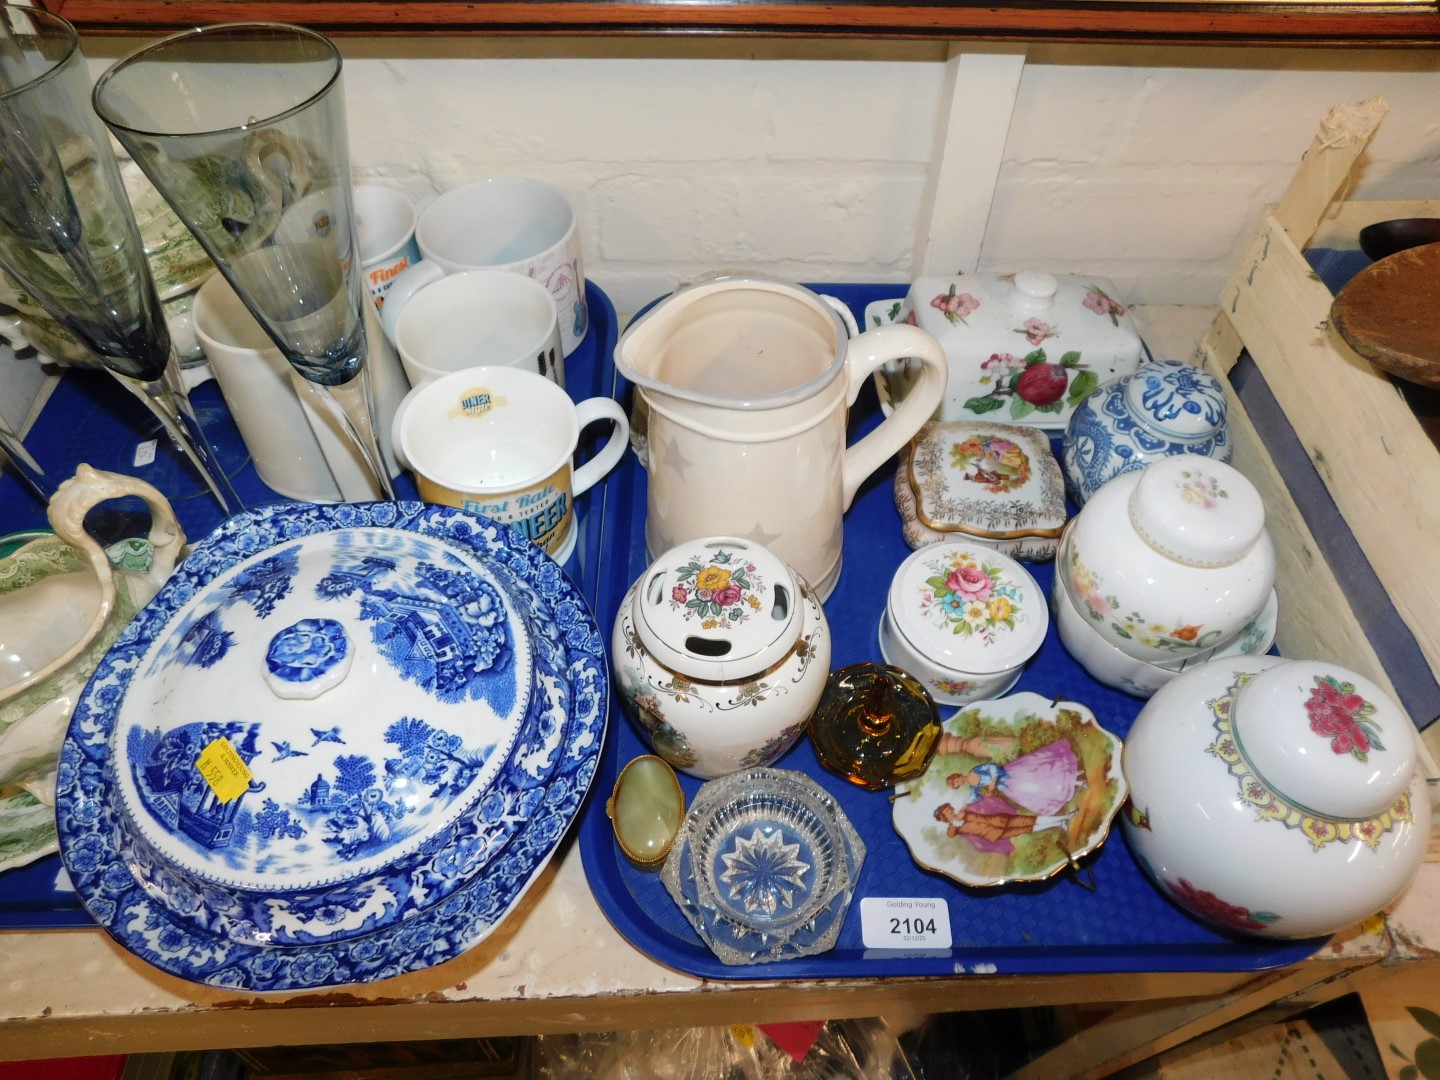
x=90, y=487
x=871, y=350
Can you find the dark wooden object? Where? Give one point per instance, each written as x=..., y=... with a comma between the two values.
x=1389, y=313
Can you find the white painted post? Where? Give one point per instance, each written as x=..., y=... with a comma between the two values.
x=976, y=105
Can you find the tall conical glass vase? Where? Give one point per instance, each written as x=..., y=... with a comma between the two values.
x=241, y=127
x=67, y=230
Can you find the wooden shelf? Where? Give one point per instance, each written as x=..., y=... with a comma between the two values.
x=1376, y=23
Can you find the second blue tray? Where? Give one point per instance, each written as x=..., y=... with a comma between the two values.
x=1051, y=927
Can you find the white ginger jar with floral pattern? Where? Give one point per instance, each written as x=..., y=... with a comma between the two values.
x=1173, y=562
x=1276, y=798
x=720, y=652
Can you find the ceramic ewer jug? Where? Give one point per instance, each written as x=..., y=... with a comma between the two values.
x=721, y=653
x=63, y=601
x=748, y=382
x=1272, y=797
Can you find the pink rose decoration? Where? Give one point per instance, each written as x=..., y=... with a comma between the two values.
x=729, y=595
x=969, y=583
x=679, y=595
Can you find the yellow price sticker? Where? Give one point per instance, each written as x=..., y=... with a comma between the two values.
x=224, y=770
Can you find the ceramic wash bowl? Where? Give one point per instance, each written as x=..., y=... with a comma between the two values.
x=339, y=745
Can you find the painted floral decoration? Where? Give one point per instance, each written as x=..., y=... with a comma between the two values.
x=1037, y=331
x=1100, y=302
x=999, y=465
x=1033, y=383
x=955, y=306
x=1217, y=910
x=970, y=597
x=719, y=590
x=1099, y=607
x=1201, y=489
x=1270, y=806
x=1337, y=711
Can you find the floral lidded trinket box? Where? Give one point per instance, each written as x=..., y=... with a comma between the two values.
x=1023, y=348
x=994, y=484
x=720, y=652
x=963, y=619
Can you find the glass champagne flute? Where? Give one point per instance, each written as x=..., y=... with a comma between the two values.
x=241, y=127
x=68, y=233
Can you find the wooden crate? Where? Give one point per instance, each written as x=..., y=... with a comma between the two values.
x=1375, y=459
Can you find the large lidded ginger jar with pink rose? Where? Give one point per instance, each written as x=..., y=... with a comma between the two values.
x=720, y=652
x=1274, y=797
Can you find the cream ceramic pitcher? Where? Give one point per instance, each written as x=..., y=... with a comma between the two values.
x=748, y=382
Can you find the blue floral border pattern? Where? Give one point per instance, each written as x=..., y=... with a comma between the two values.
x=487, y=864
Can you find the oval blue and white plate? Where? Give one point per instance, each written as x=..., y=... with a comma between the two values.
x=338, y=746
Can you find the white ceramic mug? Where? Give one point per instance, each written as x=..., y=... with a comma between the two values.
x=385, y=225
x=481, y=318
x=505, y=223
x=296, y=439
x=254, y=377
x=500, y=441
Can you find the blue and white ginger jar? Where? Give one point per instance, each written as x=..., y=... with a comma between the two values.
x=1165, y=408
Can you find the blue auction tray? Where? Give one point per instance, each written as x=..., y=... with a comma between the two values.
x=89, y=418
x=1057, y=926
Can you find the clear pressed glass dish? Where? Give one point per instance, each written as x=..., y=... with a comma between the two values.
x=764, y=866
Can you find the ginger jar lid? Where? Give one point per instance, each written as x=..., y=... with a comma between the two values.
x=1197, y=510
x=718, y=608
x=1176, y=399
x=968, y=608
x=1325, y=739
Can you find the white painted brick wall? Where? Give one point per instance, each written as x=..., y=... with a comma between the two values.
x=1148, y=165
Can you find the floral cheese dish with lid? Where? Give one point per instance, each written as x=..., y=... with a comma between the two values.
x=964, y=620
x=1274, y=797
x=720, y=652
x=1165, y=408
x=1023, y=348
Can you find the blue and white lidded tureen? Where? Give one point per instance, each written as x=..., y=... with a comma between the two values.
x=335, y=726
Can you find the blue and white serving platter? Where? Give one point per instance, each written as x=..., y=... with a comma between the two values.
x=337, y=746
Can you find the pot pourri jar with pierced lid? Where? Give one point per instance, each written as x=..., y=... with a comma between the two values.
x=720, y=652
x=1274, y=797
